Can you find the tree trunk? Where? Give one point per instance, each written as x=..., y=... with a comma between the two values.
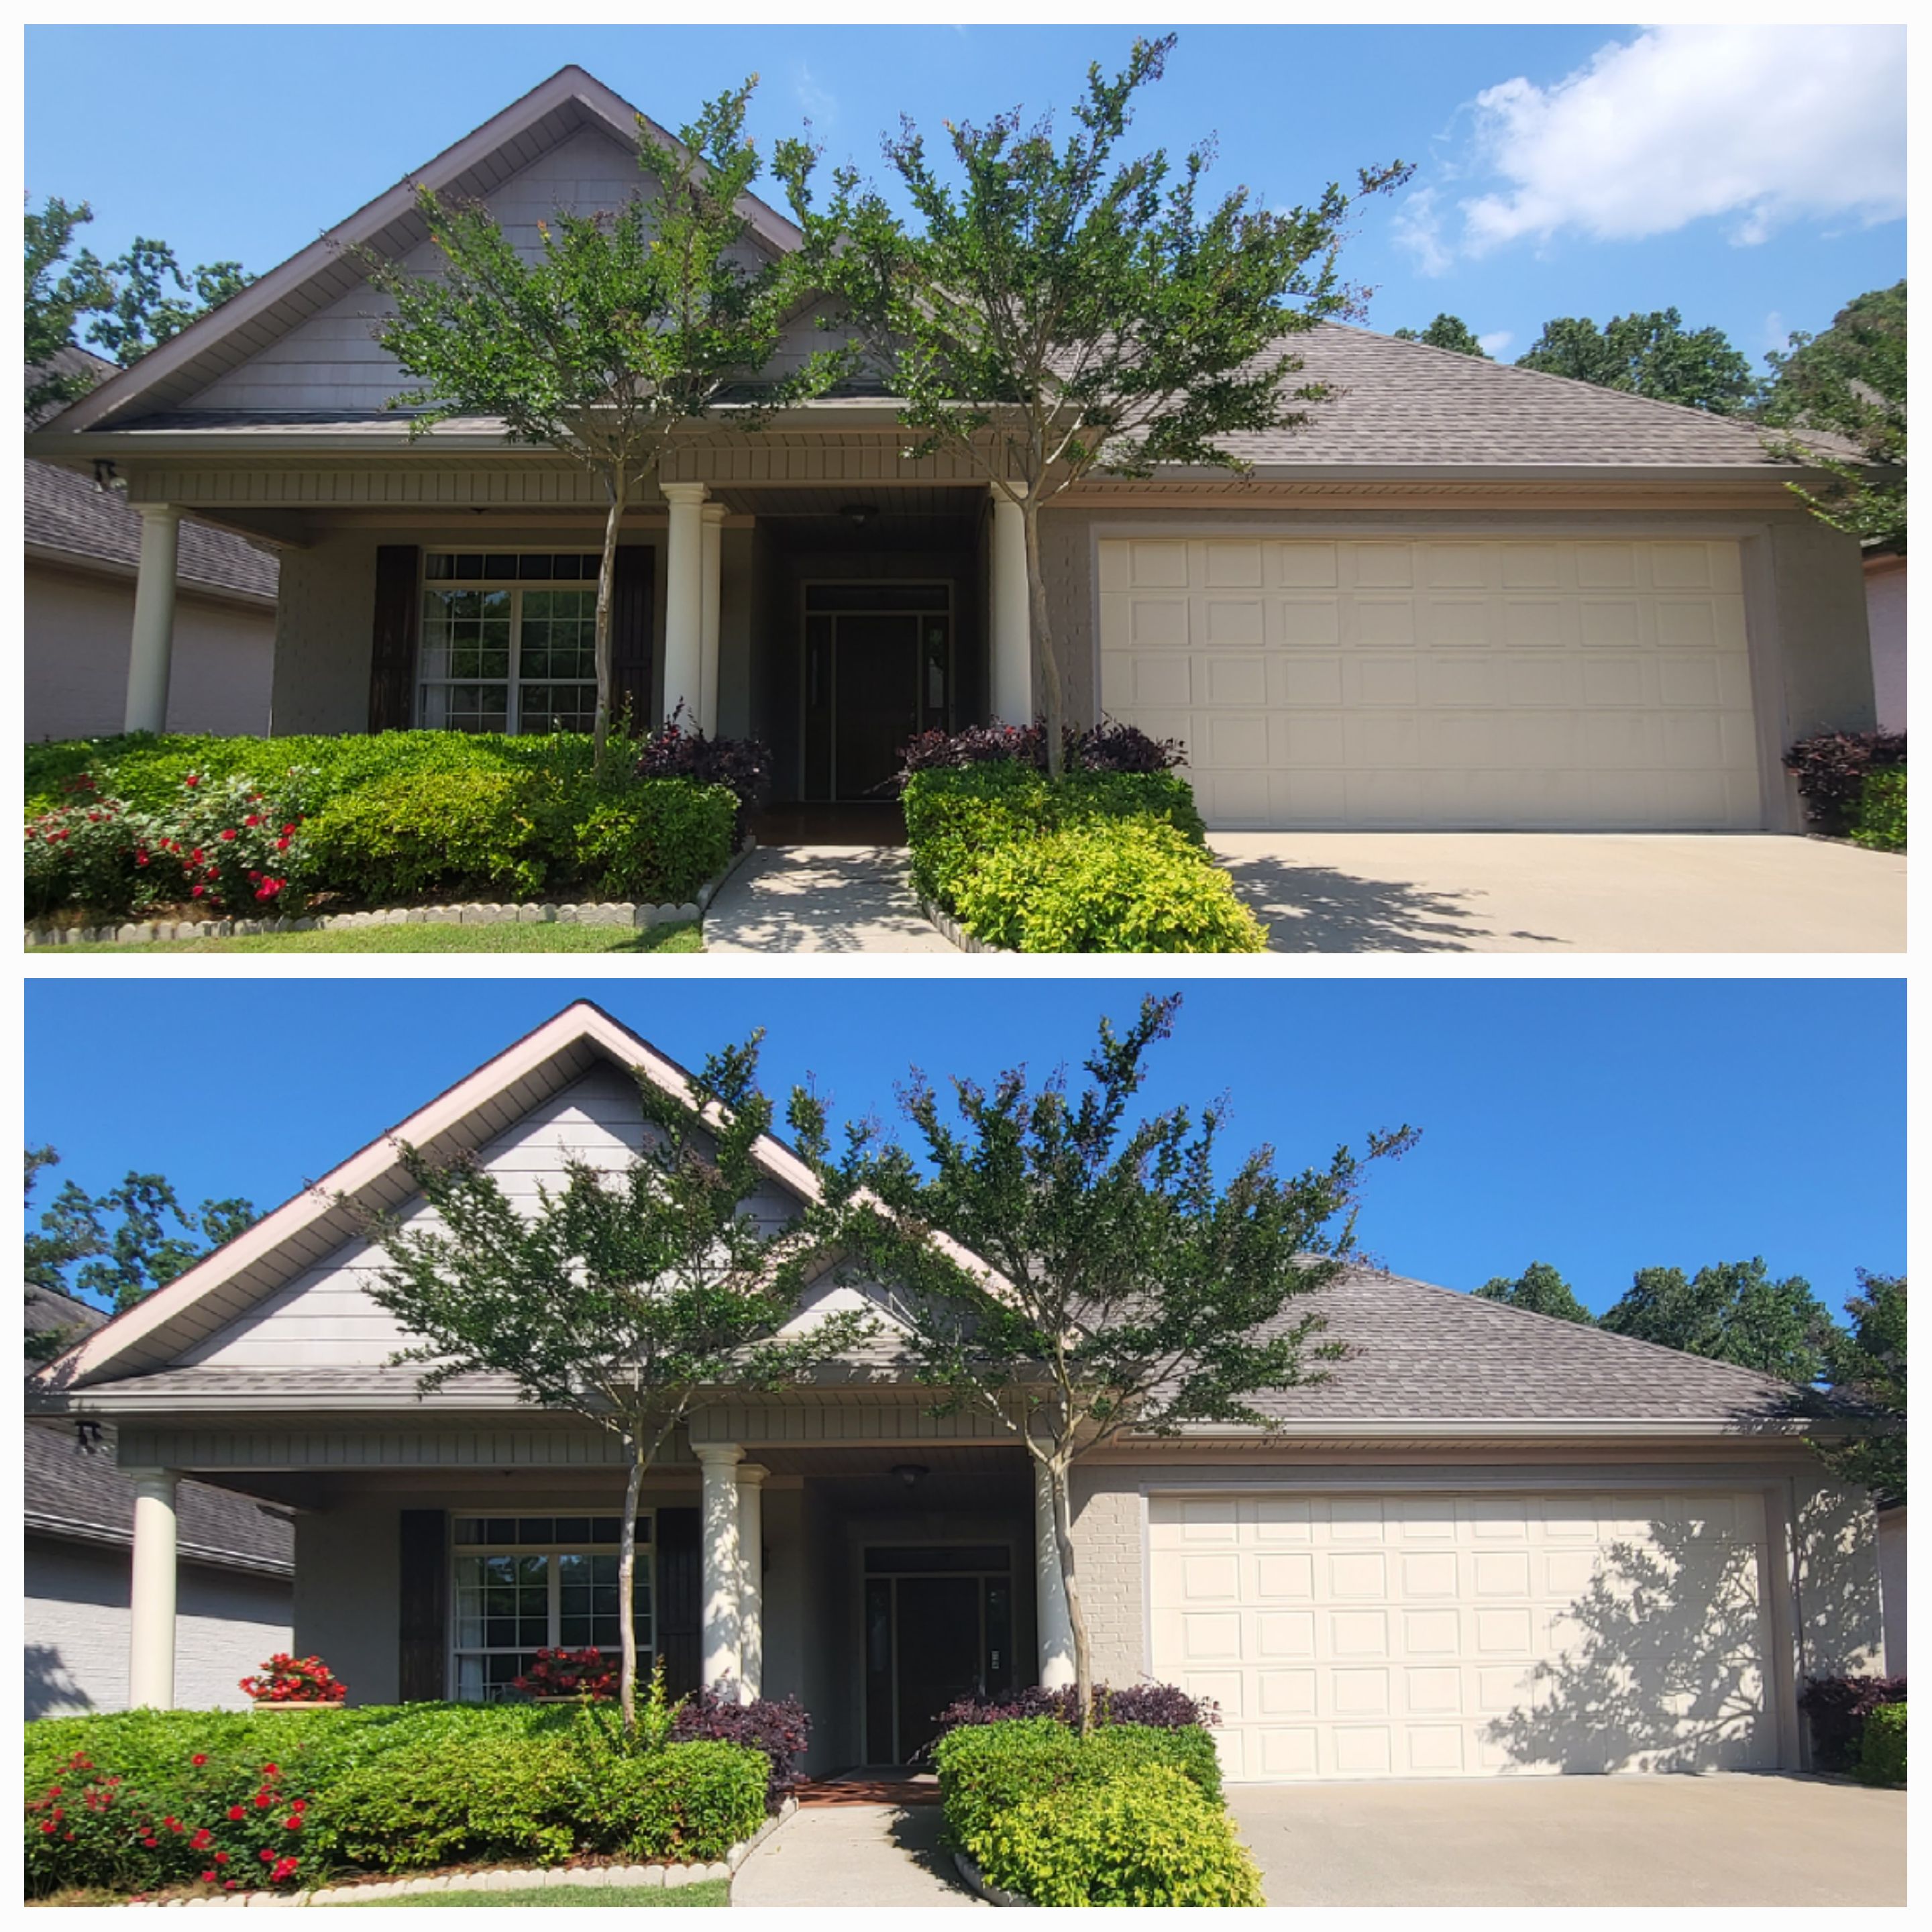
x=1076, y=1616
x=1042, y=638
x=613, y=486
x=627, y=1569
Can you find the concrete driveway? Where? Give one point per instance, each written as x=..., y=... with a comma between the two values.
x=1770, y=1840
x=1559, y=893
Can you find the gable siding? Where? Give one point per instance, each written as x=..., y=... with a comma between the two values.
x=327, y=1318
x=329, y=363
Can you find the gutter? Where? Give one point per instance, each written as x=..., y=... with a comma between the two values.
x=44, y=1523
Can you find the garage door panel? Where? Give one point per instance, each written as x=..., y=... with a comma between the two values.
x=1461, y=683
x=1461, y=1635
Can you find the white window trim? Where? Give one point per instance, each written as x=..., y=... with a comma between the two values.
x=513, y=700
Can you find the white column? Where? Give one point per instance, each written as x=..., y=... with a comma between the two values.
x=1013, y=615
x=719, y=1525
x=684, y=602
x=151, y=1648
x=151, y=649
x=1055, y=1626
x=751, y=1575
x=713, y=516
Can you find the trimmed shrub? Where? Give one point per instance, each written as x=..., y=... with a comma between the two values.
x=1105, y=747
x=1881, y=817
x=778, y=1726
x=742, y=765
x=1882, y=1749
x=1837, y=1709
x=657, y=840
x=1161, y=1707
x=403, y=837
x=1831, y=767
x=1145, y=1836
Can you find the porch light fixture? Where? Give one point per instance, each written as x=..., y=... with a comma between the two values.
x=911, y=1473
x=858, y=515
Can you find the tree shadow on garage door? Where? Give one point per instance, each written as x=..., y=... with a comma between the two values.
x=1317, y=909
x=1662, y=1664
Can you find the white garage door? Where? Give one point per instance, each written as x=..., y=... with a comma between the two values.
x=1527, y=685
x=1466, y=1636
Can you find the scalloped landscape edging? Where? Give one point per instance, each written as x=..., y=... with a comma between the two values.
x=617, y=912
x=499, y=1879
x=949, y=929
x=976, y=1880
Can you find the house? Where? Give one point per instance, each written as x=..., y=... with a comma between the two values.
x=83, y=557
x=236, y=1563
x=1493, y=1543
x=1885, y=616
x=1892, y=1547
x=1464, y=595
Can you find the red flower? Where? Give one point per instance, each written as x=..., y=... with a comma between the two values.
x=58, y=1812
x=262, y=1801
x=229, y=833
x=228, y=1885
x=53, y=1791
x=191, y=781
x=253, y=818
x=140, y=858
x=286, y=829
x=170, y=1824
x=281, y=844
x=201, y=1840
x=47, y=1825
x=196, y=892
x=151, y=1843
x=236, y=1814
x=292, y=1825
x=268, y=1856
x=221, y=1857
x=208, y=1878
x=199, y=1757
x=194, y=857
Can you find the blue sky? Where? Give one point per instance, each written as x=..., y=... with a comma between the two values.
x=1752, y=177
x=1600, y=1125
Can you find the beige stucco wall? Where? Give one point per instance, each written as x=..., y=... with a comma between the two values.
x=76, y=628
x=1885, y=615
x=1841, y=1616
x=1891, y=1568
x=348, y=1595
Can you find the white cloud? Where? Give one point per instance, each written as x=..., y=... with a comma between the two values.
x=1496, y=344
x=821, y=107
x=1756, y=126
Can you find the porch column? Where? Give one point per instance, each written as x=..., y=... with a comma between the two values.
x=1055, y=1626
x=151, y=1602
x=1012, y=615
x=721, y=1579
x=713, y=517
x=752, y=1574
x=684, y=602
x=150, y=649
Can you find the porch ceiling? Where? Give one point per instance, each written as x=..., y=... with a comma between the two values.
x=893, y=502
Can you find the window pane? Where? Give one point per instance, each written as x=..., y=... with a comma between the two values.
x=500, y=565
x=573, y=1529
x=439, y=563
x=536, y=1529
x=529, y=567
x=468, y=564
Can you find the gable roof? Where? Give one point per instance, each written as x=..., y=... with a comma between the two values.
x=322, y=273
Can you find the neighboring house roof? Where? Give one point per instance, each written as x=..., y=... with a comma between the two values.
x=71, y=1487
x=549, y=115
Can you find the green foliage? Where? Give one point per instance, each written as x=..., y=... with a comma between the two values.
x=1055, y=311
x=1733, y=1312
x=1850, y=380
x=1881, y=820
x=1541, y=1290
x=59, y=292
x=413, y=814
x=1129, y=886
x=1448, y=331
x=1652, y=355
x=1865, y=1363
x=1882, y=1748
x=382, y=1789
x=1146, y=1837
x=154, y=298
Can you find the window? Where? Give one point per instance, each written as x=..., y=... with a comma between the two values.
x=524, y=1583
x=508, y=641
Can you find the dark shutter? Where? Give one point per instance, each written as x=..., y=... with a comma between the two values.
x=425, y=1607
x=679, y=1561
x=392, y=657
x=632, y=582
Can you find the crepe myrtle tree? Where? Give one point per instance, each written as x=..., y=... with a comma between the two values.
x=1053, y=312
x=1103, y=1276
x=624, y=1297
x=623, y=325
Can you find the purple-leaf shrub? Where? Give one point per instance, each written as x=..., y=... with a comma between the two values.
x=778, y=1726
x=679, y=750
x=1160, y=1706
x=1831, y=766
x=1107, y=746
x=1837, y=1708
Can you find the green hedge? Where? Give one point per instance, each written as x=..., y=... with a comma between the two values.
x=407, y=815
x=1093, y=861
x=1880, y=822
x=1128, y=1815
x=1882, y=1748
x=384, y=1789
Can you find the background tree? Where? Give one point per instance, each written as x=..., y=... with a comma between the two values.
x=1734, y=1312
x=1865, y=1364
x=1137, y=1290
x=1541, y=1290
x=1448, y=331
x=1849, y=380
x=626, y=324
x=1055, y=312
x=622, y=1297
x=154, y=298
x=1652, y=355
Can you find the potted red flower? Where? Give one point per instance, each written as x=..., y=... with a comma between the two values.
x=567, y=1677
x=296, y=1684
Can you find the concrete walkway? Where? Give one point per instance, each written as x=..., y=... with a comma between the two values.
x=847, y=1854
x=1736, y=1840
x=1565, y=893
x=821, y=898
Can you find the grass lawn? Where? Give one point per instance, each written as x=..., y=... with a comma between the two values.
x=711, y=1891
x=427, y=939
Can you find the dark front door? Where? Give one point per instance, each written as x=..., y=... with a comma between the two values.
x=877, y=670
x=877, y=681
x=938, y=1628
x=940, y=1652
